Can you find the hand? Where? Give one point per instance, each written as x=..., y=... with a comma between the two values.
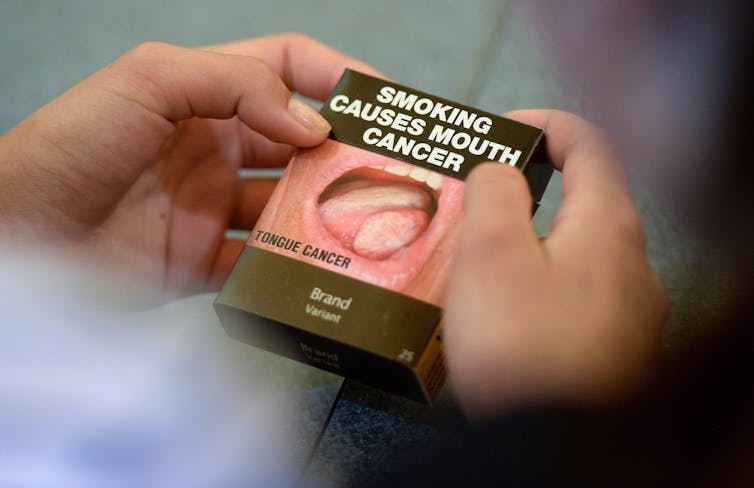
x=138, y=164
x=574, y=317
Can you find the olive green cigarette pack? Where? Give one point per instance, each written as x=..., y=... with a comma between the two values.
x=347, y=266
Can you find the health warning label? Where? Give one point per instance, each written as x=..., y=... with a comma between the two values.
x=422, y=129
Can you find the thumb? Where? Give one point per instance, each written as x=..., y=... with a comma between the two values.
x=497, y=248
x=495, y=253
x=497, y=216
x=496, y=256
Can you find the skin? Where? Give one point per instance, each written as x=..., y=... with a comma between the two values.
x=574, y=317
x=137, y=167
x=288, y=214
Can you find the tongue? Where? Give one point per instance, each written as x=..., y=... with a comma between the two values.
x=375, y=219
x=383, y=233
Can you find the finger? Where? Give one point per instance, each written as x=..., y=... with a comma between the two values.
x=496, y=252
x=178, y=83
x=133, y=106
x=260, y=152
x=595, y=190
x=305, y=65
x=579, y=149
x=252, y=198
x=497, y=213
x=201, y=208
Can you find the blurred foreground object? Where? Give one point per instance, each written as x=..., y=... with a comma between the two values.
x=94, y=396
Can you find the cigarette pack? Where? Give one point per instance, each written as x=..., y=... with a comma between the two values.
x=347, y=266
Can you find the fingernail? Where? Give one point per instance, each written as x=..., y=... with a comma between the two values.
x=307, y=116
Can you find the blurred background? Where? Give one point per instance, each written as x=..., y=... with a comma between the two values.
x=479, y=52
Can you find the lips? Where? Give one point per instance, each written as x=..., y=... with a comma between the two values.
x=376, y=211
x=386, y=215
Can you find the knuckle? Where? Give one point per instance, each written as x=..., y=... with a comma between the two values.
x=264, y=77
x=140, y=66
x=260, y=68
x=145, y=52
x=140, y=70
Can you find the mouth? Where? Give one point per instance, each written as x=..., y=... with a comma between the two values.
x=376, y=211
x=387, y=216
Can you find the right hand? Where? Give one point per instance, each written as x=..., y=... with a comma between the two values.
x=575, y=317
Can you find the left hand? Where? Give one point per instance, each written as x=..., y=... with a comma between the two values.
x=138, y=164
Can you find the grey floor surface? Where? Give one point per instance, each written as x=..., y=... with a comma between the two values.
x=480, y=52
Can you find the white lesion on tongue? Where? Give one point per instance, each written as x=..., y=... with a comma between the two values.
x=383, y=233
x=376, y=218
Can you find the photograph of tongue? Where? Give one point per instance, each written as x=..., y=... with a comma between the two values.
x=374, y=218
